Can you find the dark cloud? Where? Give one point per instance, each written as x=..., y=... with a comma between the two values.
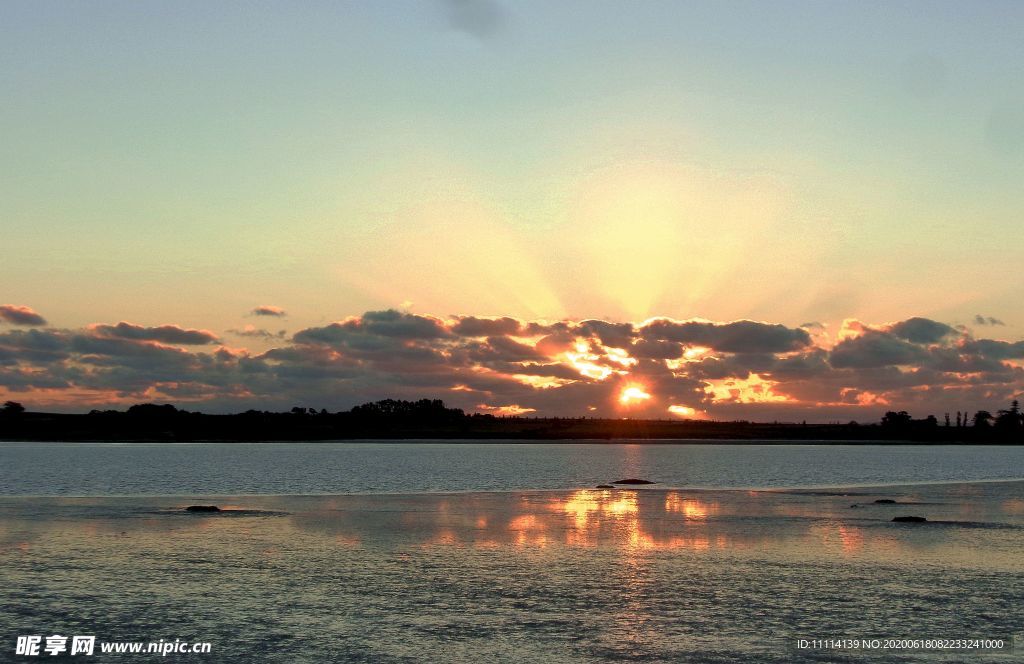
x=987, y=320
x=993, y=349
x=875, y=349
x=168, y=334
x=375, y=328
x=507, y=349
x=744, y=336
x=656, y=350
x=922, y=330
x=268, y=310
x=471, y=326
x=614, y=335
x=20, y=315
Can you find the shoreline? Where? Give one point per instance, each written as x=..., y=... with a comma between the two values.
x=627, y=440
x=785, y=490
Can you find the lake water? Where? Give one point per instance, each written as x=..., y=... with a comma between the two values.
x=110, y=469
x=403, y=553
x=587, y=575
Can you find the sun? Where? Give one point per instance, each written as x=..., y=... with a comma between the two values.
x=633, y=394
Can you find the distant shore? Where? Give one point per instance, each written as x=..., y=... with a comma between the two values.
x=179, y=426
x=431, y=419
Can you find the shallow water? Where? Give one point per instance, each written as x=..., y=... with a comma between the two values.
x=399, y=467
x=564, y=576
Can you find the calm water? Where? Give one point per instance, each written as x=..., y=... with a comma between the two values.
x=527, y=576
x=507, y=553
x=89, y=469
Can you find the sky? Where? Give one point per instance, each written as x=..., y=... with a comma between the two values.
x=820, y=173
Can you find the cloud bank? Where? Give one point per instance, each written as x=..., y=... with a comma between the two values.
x=661, y=367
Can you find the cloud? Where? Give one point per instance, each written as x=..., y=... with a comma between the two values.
x=480, y=18
x=472, y=326
x=922, y=330
x=987, y=320
x=744, y=336
x=20, y=315
x=376, y=328
x=268, y=310
x=875, y=349
x=569, y=367
x=251, y=331
x=168, y=334
x=994, y=349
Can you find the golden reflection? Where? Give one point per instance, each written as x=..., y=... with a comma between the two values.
x=691, y=508
x=1013, y=506
x=851, y=538
x=528, y=530
x=444, y=537
x=579, y=505
x=843, y=538
x=617, y=515
x=623, y=504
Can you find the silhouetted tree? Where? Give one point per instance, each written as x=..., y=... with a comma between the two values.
x=12, y=408
x=947, y=419
x=982, y=419
x=896, y=419
x=1010, y=419
x=153, y=410
x=424, y=410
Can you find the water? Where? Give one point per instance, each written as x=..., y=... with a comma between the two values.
x=482, y=552
x=540, y=576
x=98, y=469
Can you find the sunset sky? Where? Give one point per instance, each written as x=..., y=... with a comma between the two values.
x=660, y=209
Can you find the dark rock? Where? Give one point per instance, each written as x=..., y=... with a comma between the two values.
x=605, y=486
x=885, y=501
x=909, y=519
x=202, y=508
x=632, y=480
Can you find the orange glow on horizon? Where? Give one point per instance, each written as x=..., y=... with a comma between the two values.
x=633, y=394
x=682, y=411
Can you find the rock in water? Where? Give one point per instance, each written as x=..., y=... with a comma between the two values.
x=885, y=501
x=202, y=508
x=632, y=480
x=909, y=519
x=605, y=486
